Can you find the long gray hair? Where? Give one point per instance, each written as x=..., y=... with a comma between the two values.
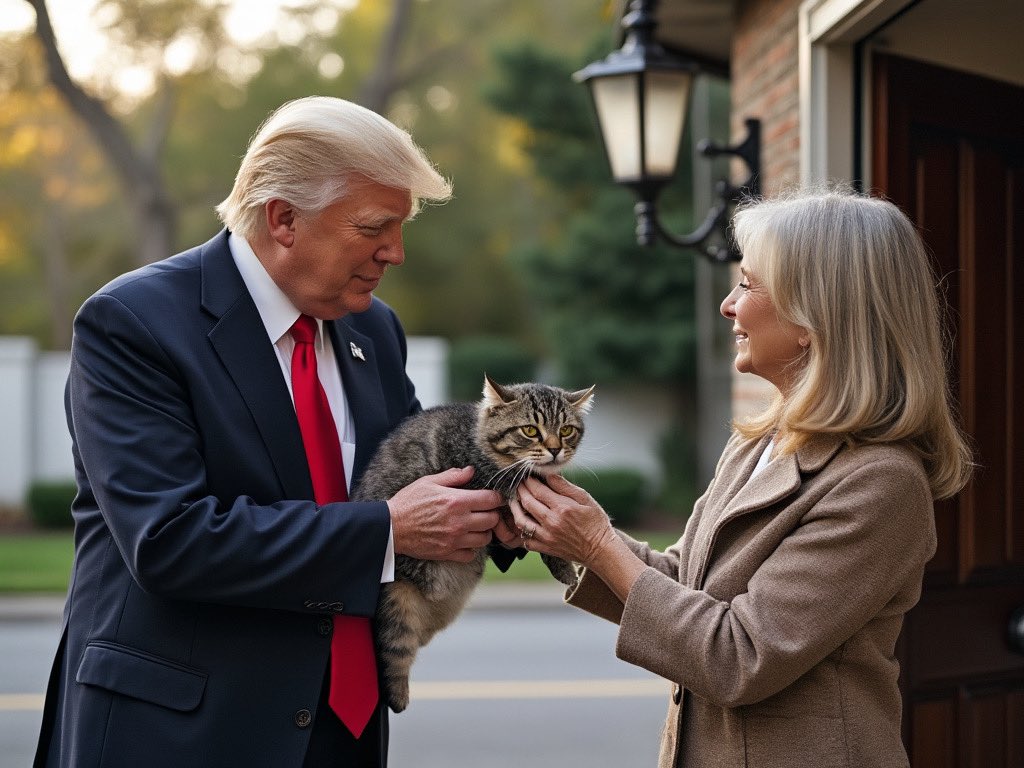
x=853, y=272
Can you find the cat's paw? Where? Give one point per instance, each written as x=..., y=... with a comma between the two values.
x=398, y=695
x=562, y=570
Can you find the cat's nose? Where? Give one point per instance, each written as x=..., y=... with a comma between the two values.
x=555, y=452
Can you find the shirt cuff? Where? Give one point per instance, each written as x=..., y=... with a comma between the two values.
x=388, y=574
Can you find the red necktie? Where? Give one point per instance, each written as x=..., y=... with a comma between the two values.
x=353, y=692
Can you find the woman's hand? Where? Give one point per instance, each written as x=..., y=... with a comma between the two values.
x=561, y=519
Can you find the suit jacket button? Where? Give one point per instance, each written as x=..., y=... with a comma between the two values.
x=303, y=718
x=324, y=627
x=677, y=693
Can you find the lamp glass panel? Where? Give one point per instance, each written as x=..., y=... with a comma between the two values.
x=616, y=99
x=665, y=98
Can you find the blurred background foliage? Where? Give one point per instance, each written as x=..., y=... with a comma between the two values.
x=535, y=255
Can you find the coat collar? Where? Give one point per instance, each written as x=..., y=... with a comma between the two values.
x=783, y=475
x=744, y=494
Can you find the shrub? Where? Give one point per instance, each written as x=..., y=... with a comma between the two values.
x=505, y=360
x=49, y=503
x=623, y=493
x=678, y=455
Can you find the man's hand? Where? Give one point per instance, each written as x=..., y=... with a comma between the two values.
x=434, y=519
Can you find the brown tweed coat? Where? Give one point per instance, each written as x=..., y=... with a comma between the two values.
x=776, y=614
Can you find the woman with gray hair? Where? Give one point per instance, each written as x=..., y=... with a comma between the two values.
x=776, y=614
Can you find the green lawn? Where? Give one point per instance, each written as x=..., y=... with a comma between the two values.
x=35, y=562
x=40, y=562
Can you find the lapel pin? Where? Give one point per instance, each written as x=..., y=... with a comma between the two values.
x=356, y=351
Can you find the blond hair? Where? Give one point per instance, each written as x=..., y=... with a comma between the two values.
x=853, y=271
x=309, y=150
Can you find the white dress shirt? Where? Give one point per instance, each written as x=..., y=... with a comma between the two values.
x=766, y=457
x=279, y=315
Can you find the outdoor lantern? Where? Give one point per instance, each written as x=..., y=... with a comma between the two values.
x=640, y=94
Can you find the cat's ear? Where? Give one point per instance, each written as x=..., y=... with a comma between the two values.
x=583, y=399
x=495, y=394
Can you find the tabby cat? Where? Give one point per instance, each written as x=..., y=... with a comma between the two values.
x=514, y=431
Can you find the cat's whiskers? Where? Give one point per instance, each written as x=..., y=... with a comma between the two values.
x=587, y=469
x=522, y=474
x=515, y=468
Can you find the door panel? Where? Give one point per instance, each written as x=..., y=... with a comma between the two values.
x=949, y=150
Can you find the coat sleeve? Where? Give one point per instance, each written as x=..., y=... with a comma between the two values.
x=858, y=553
x=593, y=595
x=140, y=450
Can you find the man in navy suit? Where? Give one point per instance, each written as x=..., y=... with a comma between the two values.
x=198, y=624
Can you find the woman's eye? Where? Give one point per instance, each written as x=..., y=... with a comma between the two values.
x=371, y=231
x=744, y=286
x=567, y=431
x=530, y=431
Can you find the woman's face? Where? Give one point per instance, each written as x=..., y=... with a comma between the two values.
x=766, y=345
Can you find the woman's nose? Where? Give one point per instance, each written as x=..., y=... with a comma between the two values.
x=728, y=305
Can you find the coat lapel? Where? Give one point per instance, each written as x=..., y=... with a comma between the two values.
x=360, y=378
x=241, y=343
x=780, y=479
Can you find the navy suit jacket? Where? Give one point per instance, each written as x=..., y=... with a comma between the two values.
x=196, y=629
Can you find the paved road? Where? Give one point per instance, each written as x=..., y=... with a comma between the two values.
x=520, y=680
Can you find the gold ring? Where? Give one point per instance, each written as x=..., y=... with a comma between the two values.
x=528, y=533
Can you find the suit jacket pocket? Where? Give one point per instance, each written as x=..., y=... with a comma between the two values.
x=131, y=672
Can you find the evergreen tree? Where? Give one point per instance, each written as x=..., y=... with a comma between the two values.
x=613, y=312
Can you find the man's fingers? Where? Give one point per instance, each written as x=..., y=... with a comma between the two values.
x=462, y=555
x=482, y=521
x=454, y=477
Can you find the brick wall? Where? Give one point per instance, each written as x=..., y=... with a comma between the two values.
x=765, y=85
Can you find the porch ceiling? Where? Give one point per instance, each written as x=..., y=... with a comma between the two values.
x=700, y=28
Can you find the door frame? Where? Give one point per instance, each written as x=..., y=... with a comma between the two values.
x=829, y=31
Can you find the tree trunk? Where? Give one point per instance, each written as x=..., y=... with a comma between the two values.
x=383, y=81
x=140, y=177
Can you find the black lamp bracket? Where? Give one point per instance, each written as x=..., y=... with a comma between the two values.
x=649, y=228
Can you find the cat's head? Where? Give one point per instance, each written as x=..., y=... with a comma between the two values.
x=535, y=427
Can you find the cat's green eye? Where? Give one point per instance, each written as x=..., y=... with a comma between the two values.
x=567, y=431
x=530, y=431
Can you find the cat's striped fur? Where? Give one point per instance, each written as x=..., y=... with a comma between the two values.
x=515, y=430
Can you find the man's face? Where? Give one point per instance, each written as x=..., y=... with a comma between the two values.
x=338, y=256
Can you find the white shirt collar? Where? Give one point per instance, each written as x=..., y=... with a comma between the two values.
x=276, y=310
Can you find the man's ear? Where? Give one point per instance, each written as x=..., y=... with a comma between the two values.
x=280, y=221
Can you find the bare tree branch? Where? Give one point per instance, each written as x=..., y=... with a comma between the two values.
x=106, y=130
x=378, y=88
x=139, y=174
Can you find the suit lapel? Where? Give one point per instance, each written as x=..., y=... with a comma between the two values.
x=360, y=378
x=241, y=343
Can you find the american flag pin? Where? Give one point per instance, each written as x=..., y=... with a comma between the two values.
x=356, y=351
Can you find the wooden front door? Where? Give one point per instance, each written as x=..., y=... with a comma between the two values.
x=948, y=148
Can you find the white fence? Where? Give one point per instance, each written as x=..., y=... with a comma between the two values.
x=622, y=430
